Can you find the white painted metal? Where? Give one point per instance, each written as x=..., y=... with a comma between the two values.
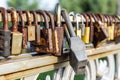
x=48, y=77
x=117, y=74
x=34, y=77
x=106, y=68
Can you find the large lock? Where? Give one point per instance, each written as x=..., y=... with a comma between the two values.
x=46, y=45
x=4, y=35
x=100, y=32
x=59, y=29
x=86, y=37
x=16, y=40
x=30, y=27
x=78, y=56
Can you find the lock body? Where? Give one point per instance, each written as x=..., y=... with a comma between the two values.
x=5, y=43
x=86, y=36
x=31, y=32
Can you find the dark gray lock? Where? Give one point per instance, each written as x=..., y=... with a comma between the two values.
x=78, y=55
x=4, y=35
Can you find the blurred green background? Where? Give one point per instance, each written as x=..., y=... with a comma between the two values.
x=92, y=6
x=80, y=6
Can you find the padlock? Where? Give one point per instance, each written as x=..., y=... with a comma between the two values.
x=16, y=40
x=86, y=37
x=60, y=29
x=4, y=35
x=82, y=25
x=100, y=32
x=110, y=28
x=22, y=29
x=78, y=29
x=30, y=27
x=78, y=55
x=46, y=36
x=117, y=30
x=91, y=28
x=37, y=28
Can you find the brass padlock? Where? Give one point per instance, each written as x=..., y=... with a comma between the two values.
x=5, y=35
x=111, y=29
x=30, y=27
x=16, y=41
x=91, y=28
x=117, y=29
x=86, y=37
x=46, y=36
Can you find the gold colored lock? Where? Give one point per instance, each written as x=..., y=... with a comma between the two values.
x=110, y=28
x=86, y=36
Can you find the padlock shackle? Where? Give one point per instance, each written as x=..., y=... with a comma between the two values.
x=68, y=22
x=14, y=19
x=111, y=20
x=51, y=19
x=58, y=14
x=108, y=20
x=77, y=22
x=4, y=18
x=41, y=12
x=94, y=17
x=101, y=17
x=21, y=18
x=28, y=16
x=35, y=18
x=86, y=18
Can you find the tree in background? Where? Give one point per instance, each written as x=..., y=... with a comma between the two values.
x=94, y=6
x=23, y=4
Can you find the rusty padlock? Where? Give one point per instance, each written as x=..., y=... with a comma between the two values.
x=16, y=41
x=46, y=36
x=4, y=35
x=37, y=28
x=59, y=28
x=30, y=27
x=23, y=30
x=100, y=32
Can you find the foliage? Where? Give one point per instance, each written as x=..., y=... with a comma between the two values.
x=94, y=6
x=23, y=4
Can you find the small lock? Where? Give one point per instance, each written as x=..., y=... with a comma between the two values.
x=16, y=41
x=78, y=29
x=86, y=36
x=30, y=27
x=46, y=36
